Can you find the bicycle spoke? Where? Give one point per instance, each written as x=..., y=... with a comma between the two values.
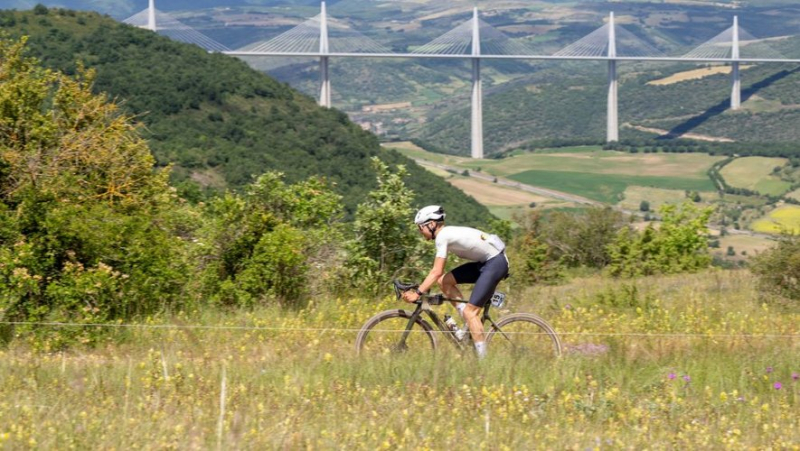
x=388, y=336
x=522, y=337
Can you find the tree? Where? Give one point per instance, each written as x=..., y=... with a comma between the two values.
x=644, y=206
x=84, y=218
x=384, y=240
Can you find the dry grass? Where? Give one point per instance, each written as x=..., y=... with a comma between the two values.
x=671, y=357
x=490, y=194
x=656, y=197
x=695, y=74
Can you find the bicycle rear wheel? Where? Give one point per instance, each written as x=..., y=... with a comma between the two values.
x=384, y=334
x=524, y=336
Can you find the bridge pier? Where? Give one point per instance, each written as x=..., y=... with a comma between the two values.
x=736, y=88
x=151, y=16
x=612, y=112
x=324, y=72
x=477, y=91
x=325, y=82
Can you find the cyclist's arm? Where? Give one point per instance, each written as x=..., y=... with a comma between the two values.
x=436, y=272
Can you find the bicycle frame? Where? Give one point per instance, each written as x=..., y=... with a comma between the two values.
x=424, y=306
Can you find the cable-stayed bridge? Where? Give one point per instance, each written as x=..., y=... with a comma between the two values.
x=324, y=37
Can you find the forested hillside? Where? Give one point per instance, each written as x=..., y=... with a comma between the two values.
x=567, y=101
x=218, y=122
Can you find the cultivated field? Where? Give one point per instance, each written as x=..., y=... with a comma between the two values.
x=492, y=195
x=588, y=171
x=695, y=74
x=783, y=219
x=608, y=188
x=656, y=197
x=745, y=246
x=682, y=362
x=755, y=173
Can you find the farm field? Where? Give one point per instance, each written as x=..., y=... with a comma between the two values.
x=605, y=176
x=607, y=188
x=786, y=218
x=745, y=246
x=690, y=361
x=490, y=194
x=755, y=173
x=656, y=197
x=591, y=159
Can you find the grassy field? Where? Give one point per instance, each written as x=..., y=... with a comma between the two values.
x=794, y=194
x=592, y=160
x=682, y=362
x=745, y=246
x=607, y=188
x=656, y=197
x=786, y=218
x=755, y=173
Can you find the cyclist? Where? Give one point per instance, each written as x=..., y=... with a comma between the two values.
x=487, y=267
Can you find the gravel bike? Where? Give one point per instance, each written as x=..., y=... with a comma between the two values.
x=520, y=335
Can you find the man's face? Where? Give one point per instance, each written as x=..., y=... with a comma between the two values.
x=426, y=229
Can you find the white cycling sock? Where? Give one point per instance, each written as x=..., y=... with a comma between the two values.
x=460, y=307
x=480, y=348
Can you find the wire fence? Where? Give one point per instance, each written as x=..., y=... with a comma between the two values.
x=710, y=335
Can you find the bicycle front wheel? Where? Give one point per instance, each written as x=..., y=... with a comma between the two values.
x=386, y=333
x=524, y=336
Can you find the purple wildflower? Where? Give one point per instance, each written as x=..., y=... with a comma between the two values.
x=777, y=385
x=687, y=378
x=769, y=369
x=671, y=376
x=795, y=376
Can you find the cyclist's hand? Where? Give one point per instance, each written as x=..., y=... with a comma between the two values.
x=411, y=296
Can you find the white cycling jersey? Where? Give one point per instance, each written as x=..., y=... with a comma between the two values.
x=467, y=243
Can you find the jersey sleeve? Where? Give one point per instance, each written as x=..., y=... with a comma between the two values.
x=441, y=247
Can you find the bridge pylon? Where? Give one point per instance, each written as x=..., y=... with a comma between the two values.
x=324, y=72
x=477, y=91
x=612, y=115
x=736, y=82
x=151, y=16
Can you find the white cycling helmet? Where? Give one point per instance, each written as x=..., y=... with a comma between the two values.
x=429, y=213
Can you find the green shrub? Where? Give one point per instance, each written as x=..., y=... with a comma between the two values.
x=778, y=269
x=679, y=244
x=259, y=246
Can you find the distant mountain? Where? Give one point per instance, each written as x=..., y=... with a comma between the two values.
x=217, y=121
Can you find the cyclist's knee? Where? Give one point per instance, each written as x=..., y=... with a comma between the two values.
x=471, y=311
x=447, y=280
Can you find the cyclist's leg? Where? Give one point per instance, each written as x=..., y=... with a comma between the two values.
x=491, y=273
x=466, y=273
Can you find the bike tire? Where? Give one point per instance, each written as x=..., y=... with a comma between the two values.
x=382, y=333
x=525, y=336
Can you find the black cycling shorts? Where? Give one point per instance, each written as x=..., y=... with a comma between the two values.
x=485, y=275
